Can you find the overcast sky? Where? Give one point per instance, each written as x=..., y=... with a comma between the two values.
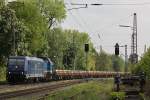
x=105, y=20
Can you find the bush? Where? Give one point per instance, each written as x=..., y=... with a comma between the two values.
x=2, y=73
x=142, y=97
x=143, y=64
x=117, y=96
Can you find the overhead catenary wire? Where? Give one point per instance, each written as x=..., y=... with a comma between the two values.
x=80, y=22
x=88, y=29
x=113, y=23
x=103, y=28
x=121, y=4
x=83, y=25
x=86, y=26
x=79, y=17
x=75, y=19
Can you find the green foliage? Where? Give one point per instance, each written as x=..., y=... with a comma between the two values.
x=117, y=63
x=117, y=96
x=66, y=48
x=93, y=90
x=142, y=96
x=29, y=13
x=11, y=30
x=144, y=64
x=56, y=43
x=37, y=15
x=53, y=10
x=109, y=62
x=2, y=73
x=103, y=61
x=2, y=3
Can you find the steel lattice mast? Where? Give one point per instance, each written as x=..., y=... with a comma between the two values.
x=134, y=55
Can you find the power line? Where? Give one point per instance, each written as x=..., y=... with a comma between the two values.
x=77, y=8
x=148, y=3
x=83, y=21
x=112, y=24
x=76, y=20
x=101, y=4
x=87, y=27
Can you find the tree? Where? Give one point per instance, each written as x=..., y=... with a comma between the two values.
x=109, y=62
x=35, y=14
x=117, y=63
x=69, y=57
x=53, y=10
x=2, y=2
x=29, y=13
x=144, y=64
x=66, y=49
x=76, y=40
x=103, y=61
x=56, y=44
x=11, y=32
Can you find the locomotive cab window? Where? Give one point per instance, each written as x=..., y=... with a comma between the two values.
x=19, y=62
x=12, y=61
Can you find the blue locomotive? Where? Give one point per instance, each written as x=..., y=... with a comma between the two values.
x=24, y=68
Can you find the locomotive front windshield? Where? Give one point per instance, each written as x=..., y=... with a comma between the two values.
x=19, y=62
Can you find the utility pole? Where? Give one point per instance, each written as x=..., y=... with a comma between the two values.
x=145, y=49
x=14, y=43
x=101, y=49
x=13, y=39
x=126, y=59
x=73, y=40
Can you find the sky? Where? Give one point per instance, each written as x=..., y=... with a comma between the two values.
x=105, y=20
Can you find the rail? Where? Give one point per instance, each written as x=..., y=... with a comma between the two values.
x=53, y=87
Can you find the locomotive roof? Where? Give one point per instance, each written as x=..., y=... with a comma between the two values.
x=25, y=57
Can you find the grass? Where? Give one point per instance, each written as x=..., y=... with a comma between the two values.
x=93, y=90
x=147, y=90
x=117, y=96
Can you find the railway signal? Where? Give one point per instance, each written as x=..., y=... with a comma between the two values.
x=117, y=49
x=86, y=49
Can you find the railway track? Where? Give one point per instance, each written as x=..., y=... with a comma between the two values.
x=132, y=86
x=23, y=86
x=7, y=95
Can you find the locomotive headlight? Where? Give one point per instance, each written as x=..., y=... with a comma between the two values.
x=9, y=72
x=16, y=67
x=22, y=73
